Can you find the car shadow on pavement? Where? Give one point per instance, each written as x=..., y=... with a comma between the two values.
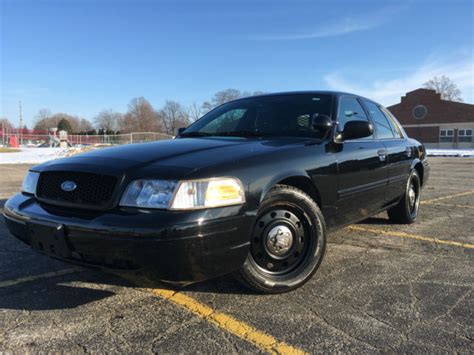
x=375, y=221
x=41, y=297
x=224, y=284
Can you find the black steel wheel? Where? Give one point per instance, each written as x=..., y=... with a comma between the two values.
x=406, y=211
x=287, y=242
x=280, y=240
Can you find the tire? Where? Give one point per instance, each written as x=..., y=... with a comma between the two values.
x=288, y=242
x=406, y=211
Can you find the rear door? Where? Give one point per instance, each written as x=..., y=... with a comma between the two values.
x=362, y=168
x=398, y=153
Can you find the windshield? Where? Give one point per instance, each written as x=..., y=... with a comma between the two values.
x=274, y=115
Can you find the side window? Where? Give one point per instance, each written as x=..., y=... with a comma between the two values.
x=383, y=128
x=394, y=123
x=465, y=135
x=446, y=135
x=226, y=122
x=350, y=110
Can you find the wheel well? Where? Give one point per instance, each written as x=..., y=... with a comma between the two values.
x=419, y=170
x=305, y=185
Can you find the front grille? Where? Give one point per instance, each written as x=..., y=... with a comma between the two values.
x=93, y=190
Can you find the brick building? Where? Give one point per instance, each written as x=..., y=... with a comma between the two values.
x=435, y=122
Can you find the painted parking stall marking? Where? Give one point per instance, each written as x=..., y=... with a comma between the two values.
x=412, y=236
x=260, y=339
x=30, y=278
x=449, y=205
x=470, y=192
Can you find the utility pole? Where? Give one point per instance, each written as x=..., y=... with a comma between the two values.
x=21, y=122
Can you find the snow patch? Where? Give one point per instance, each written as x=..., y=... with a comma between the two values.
x=450, y=152
x=33, y=155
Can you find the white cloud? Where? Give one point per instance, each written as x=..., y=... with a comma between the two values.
x=346, y=25
x=388, y=92
x=337, y=29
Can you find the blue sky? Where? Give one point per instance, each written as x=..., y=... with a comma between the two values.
x=81, y=57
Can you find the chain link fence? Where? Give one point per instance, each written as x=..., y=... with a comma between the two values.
x=30, y=138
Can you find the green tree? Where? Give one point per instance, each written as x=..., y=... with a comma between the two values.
x=64, y=125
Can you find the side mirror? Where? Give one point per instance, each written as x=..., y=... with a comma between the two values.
x=179, y=131
x=321, y=123
x=357, y=129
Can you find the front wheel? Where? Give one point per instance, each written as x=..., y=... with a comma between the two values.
x=406, y=211
x=288, y=242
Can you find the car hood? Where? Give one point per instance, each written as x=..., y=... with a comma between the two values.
x=184, y=155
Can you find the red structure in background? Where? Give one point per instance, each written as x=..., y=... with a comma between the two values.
x=14, y=142
x=14, y=137
x=436, y=122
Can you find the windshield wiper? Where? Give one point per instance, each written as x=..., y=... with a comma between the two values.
x=242, y=134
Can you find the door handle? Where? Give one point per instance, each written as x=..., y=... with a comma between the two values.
x=382, y=153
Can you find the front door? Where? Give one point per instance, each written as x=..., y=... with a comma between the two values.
x=362, y=169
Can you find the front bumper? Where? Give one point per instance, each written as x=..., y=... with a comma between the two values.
x=180, y=247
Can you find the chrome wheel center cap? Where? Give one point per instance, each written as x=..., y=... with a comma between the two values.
x=279, y=240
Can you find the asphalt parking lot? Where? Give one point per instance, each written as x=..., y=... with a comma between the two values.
x=381, y=287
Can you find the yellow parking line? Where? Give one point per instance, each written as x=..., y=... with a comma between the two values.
x=449, y=196
x=241, y=329
x=448, y=205
x=37, y=277
x=260, y=339
x=413, y=236
x=455, y=179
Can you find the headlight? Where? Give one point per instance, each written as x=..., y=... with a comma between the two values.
x=29, y=182
x=149, y=193
x=184, y=195
x=208, y=193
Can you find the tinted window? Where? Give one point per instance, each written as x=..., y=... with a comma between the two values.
x=382, y=125
x=395, y=125
x=275, y=115
x=225, y=122
x=350, y=110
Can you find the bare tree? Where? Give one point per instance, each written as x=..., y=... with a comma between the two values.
x=5, y=124
x=45, y=120
x=194, y=112
x=221, y=97
x=108, y=120
x=43, y=113
x=173, y=116
x=140, y=117
x=84, y=126
x=446, y=87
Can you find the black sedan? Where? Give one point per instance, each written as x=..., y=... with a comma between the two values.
x=252, y=188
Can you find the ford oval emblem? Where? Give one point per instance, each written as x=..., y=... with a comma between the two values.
x=68, y=186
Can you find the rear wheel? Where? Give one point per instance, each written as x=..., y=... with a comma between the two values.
x=288, y=242
x=406, y=211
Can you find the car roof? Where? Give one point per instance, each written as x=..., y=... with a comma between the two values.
x=321, y=92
